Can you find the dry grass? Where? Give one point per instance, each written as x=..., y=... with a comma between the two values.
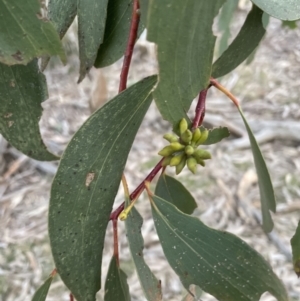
x=226, y=191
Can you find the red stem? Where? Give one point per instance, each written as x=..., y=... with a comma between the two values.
x=71, y=297
x=116, y=245
x=115, y=214
x=200, y=109
x=135, y=19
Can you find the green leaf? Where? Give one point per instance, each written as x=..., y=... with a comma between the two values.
x=144, y=4
x=267, y=196
x=25, y=34
x=285, y=10
x=116, y=32
x=116, y=287
x=174, y=192
x=243, y=45
x=151, y=286
x=42, y=292
x=91, y=27
x=62, y=13
x=289, y=24
x=216, y=135
x=22, y=90
x=225, y=18
x=217, y=261
x=295, y=242
x=86, y=184
x=182, y=31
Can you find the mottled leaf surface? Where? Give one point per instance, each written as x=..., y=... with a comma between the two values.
x=243, y=45
x=281, y=9
x=295, y=242
x=86, y=184
x=116, y=32
x=116, y=287
x=217, y=261
x=174, y=192
x=22, y=90
x=150, y=285
x=182, y=31
x=42, y=292
x=24, y=34
x=216, y=135
x=224, y=21
x=91, y=26
x=62, y=13
x=267, y=197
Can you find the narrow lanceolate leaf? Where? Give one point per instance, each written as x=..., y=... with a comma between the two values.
x=91, y=26
x=243, y=45
x=116, y=32
x=62, y=13
x=218, y=262
x=225, y=18
x=42, y=292
x=216, y=135
x=285, y=10
x=151, y=286
x=182, y=31
x=295, y=242
x=25, y=34
x=174, y=192
x=266, y=190
x=86, y=184
x=22, y=90
x=116, y=287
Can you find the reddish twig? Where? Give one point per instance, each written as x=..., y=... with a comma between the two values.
x=216, y=84
x=200, y=109
x=115, y=214
x=135, y=19
x=71, y=297
x=116, y=245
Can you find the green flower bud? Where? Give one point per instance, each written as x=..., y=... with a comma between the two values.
x=183, y=126
x=186, y=137
x=176, y=146
x=171, y=138
x=167, y=151
x=196, y=135
x=181, y=165
x=202, y=154
x=166, y=161
x=201, y=162
x=189, y=150
x=176, y=159
x=203, y=138
x=192, y=164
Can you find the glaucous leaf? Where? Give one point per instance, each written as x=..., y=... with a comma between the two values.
x=150, y=285
x=174, y=192
x=243, y=45
x=42, y=292
x=22, y=90
x=116, y=32
x=91, y=27
x=62, y=13
x=183, y=33
x=25, y=34
x=266, y=190
x=116, y=287
x=295, y=242
x=86, y=184
x=216, y=135
x=224, y=21
x=217, y=261
x=285, y=10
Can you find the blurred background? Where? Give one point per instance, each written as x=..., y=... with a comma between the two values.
x=226, y=189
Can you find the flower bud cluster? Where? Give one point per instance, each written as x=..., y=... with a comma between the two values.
x=183, y=150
